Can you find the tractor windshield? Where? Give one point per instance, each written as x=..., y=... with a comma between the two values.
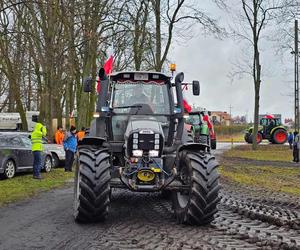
x=141, y=98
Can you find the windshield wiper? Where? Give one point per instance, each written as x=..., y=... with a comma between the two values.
x=129, y=106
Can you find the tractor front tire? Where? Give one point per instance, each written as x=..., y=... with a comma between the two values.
x=92, y=189
x=198, y=204
x=213, y=143
x=247, y=138
x=279, y=136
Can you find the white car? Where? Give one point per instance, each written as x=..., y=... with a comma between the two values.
x=57, y=151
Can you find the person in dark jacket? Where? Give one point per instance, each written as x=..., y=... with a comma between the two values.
x=296, y=147
x=70, y=146
x=290, y=139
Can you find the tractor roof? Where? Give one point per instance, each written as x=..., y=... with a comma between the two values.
x=139, y=76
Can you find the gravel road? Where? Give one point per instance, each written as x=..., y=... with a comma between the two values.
x=247, y=219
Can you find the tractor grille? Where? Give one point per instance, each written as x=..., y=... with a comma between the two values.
x=146, y=141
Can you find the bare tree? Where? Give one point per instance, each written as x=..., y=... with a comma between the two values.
x=257, y=14
x=169, y=15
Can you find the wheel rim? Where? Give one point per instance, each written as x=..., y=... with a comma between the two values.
x=55, y=161
x=183, y=197
x=258, y=138
x=48, y=164
x=10, y=169
x=280, y=136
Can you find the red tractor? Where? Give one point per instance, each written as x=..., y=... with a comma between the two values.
x=271, y=129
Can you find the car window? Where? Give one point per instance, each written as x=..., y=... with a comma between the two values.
x=11, y=141
x=26, y=141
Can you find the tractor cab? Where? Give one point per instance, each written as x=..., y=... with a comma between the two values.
x=139, y=94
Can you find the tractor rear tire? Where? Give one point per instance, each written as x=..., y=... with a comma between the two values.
x=92, y=189
x=279, y=136
x=198, y=204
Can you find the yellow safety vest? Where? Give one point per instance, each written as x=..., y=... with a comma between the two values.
x=37, y=136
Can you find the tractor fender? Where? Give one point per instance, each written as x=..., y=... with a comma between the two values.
x=249, y=130
x=92, y=141
x=273, y=129
x=192, y=147
x=196, y=147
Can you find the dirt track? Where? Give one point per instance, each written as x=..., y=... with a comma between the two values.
x=247, y=219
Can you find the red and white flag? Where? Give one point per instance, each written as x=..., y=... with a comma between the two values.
x=108, y=67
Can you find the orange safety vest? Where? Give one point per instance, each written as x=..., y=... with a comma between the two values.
x=80, y=135
x=59, y=137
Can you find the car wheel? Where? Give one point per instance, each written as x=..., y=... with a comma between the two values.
x=48, y=164
x=9, y=169
x=55, y=160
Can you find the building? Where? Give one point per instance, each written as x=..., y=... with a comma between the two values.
x=221, y=117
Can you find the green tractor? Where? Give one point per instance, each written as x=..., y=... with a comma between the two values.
x=199, y=125
x=138, y=142
x=270, y=129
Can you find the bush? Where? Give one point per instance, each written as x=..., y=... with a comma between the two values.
x=229, y=130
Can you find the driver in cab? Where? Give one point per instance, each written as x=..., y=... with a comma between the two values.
x=140, y=98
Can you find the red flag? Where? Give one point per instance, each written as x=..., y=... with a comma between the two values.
x=206, y=119
x=186, y=106
x=108, y=66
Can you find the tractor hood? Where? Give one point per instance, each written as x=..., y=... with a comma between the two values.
x=144, y=134
x=143, y=123
x=251, y=128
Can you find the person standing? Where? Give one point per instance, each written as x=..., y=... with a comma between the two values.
x=81, y=134
x=290, y=140
x=59, y=135
x=296, y=145
x=37, y=147
x=70, y=146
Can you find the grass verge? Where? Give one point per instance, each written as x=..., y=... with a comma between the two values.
x=269, y=152
x=285, y=180
x=24, y=186
x=278, y=179
x=228, y=138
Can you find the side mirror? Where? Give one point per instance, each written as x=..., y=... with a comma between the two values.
x=196, y=88
x=179, y=78
x=87, y=84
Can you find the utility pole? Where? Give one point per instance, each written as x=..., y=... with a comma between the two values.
x=296, y=78
x=230, y=107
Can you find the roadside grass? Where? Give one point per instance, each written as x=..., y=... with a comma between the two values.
x=277, y=179
x=260, y=173
x=24, y=186
x=269, y=152
x=230, y=138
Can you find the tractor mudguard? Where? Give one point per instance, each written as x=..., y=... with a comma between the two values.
x=249, y=130
x=89, y=140
x=192, y=147
x=275, y=128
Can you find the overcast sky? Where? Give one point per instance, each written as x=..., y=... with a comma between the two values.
x=211, y=60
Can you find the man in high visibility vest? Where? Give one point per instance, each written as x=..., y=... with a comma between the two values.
x=37, y=148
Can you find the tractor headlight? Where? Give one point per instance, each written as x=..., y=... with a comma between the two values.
x=137, y=153
x=153, y=153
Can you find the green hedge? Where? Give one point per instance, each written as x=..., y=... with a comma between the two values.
x=229, y=130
